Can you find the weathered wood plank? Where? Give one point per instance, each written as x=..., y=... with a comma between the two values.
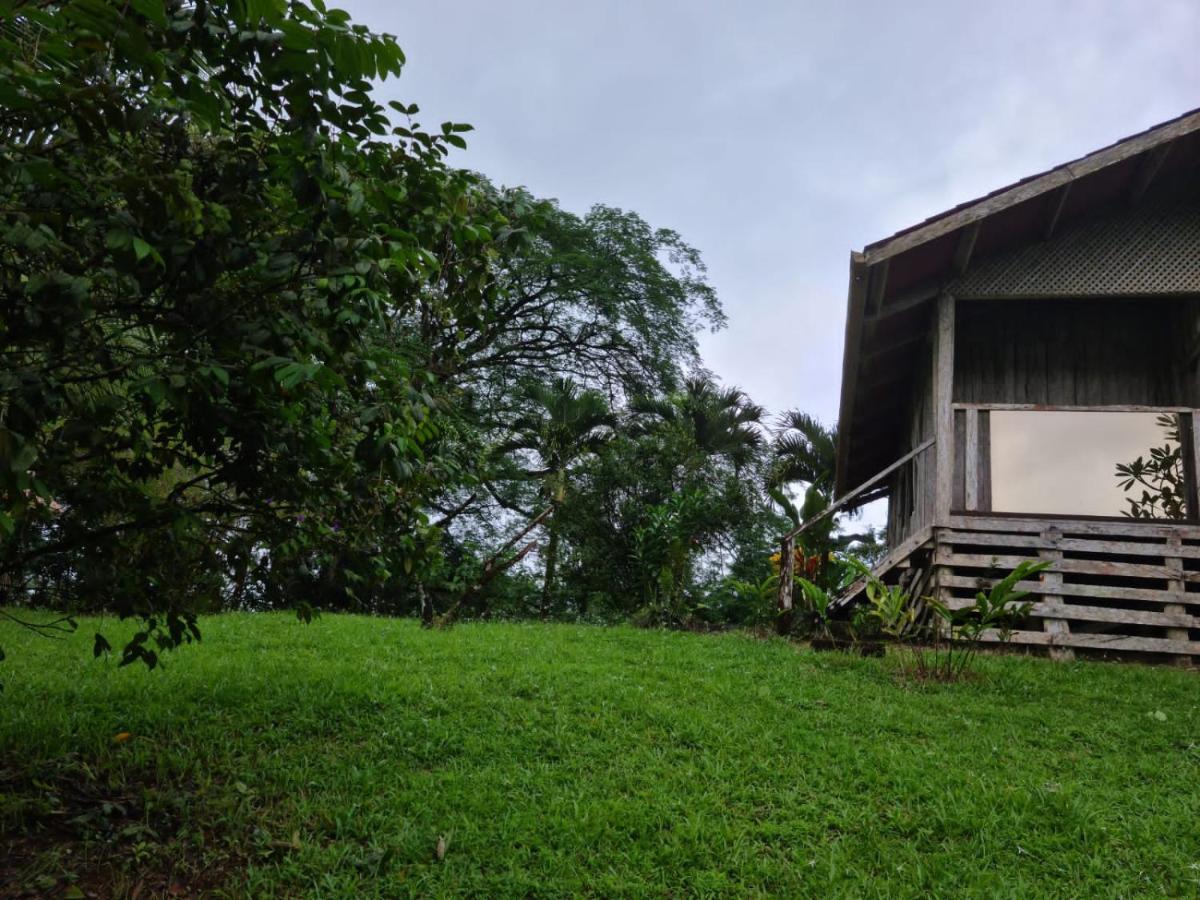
x=905, y=301
x=845, y=499
x=876, y=289
x=1070, y=407
x=1193, y=459
x=1070, y=545
x=851, y=362
x=965, y=247
x=1091, y=591
x=1058, y=202
x=1175, y=564
x=985, y=461
x=1055, y=622
x=958, y=497
x=971, y=457
x=943, y=388
x=1070, y=355
x=1099, y=527
x=1147, y=171
x=1114, y=642
x=1058, y=613
x=1076, y=566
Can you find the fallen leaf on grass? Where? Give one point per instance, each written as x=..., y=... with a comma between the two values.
x=293, y=844
x=121, y=737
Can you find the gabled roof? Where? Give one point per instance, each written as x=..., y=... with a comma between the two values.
x=894, y=281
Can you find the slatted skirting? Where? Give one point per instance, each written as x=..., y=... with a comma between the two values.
x=1114, y=588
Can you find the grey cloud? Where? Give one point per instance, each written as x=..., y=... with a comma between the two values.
x=778, y=136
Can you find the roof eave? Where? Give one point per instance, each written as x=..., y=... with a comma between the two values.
x=1010, y=196
x=855, y=307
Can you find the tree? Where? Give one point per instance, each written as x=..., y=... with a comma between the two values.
x=1159, y=477
x=708, y=435
x=712, y=421
x=563, y=425
x=602, y=298
x=805, y=451
x=213, y=240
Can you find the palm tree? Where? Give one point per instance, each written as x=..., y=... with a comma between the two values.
x=700, y=425
x=803, y=451
x=715, y=420
x=562, y=425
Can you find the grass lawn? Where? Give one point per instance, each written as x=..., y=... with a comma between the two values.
x=328, y=760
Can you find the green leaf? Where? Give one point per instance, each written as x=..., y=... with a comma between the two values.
x=141, y=249
x=152, y=10
x=101, y=646
x=23, y=458
x=117, y=239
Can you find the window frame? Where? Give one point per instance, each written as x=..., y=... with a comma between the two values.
x=971, y=477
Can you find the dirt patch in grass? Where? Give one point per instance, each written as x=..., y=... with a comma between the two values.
x=71, y=829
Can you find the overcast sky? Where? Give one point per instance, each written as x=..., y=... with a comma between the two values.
x=778, y=136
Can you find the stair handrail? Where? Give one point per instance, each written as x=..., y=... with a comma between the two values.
x=787, y=550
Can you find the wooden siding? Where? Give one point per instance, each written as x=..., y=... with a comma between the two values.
x=1074, y=353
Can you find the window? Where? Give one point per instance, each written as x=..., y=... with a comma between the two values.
x=1087, y=463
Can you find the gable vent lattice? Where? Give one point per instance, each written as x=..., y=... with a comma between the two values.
x=1151, y=249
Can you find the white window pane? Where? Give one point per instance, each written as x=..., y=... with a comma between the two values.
x=1066, y=462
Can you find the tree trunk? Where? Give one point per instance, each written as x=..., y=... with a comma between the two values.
x=494, y=567
x=426, y=606
x=551, y=567
x=783, y=620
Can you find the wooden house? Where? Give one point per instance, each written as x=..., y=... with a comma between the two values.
x=1003, y=358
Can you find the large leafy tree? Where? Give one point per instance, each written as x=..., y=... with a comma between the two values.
x=212, y=243
x=602, y=298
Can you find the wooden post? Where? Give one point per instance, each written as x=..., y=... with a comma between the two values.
x=943, y=411
x=971, y=460
x=787, y=555
x=1176, y=583
x=1051, y=580
x=984, y=498
x=1191, y=467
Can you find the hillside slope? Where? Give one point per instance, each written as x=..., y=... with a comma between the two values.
x=331, y=759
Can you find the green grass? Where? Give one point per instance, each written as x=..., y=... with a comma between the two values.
x=559, y=760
